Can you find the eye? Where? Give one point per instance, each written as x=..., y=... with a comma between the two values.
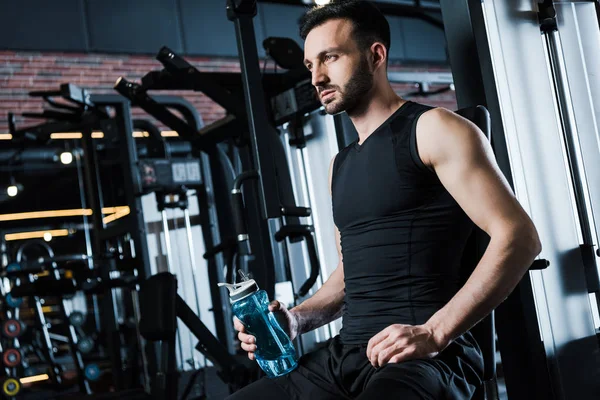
x=330, y=57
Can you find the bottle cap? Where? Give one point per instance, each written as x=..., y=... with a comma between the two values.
x=238, y=291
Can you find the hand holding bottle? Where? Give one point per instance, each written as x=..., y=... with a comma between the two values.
x=286, y=319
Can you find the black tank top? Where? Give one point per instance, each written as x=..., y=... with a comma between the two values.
x=402, y=233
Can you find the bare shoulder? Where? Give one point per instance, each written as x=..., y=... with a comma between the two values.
x=442, y=133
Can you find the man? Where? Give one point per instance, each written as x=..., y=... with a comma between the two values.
x=405, y=196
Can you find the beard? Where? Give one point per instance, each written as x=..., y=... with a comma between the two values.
x=354, y=91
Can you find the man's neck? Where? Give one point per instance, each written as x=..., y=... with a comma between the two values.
x=375, y=112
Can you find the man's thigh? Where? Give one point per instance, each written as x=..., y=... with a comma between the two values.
x=311, y=380
x=382, y=389
x=418, y=379
x=293, y=386
x=264, y=389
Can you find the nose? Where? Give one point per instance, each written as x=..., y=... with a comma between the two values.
x=319, y=76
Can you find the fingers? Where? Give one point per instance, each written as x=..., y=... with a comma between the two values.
x=245, y=338
x=382, y=352
x=251, y=348
x=237, y=324
x=386, y=353
x=275, y=306
x=375, y=340
x=397, y=358
x=247, y=342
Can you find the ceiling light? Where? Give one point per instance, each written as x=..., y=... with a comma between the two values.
x=12, y=190
x=322, y=2
x=47, y=236
x=66, y=157
x=65, y=135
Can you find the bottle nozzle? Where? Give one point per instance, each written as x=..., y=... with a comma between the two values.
x=229, y=286
x=240, y=290
x=243, y=275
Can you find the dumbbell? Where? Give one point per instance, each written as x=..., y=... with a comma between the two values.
x=13, y=267
x=14, y=302
x=92, y=372
x=86, y=345
x=13, y=328
x=10, y=387
x=77, y=319
x=12, y=357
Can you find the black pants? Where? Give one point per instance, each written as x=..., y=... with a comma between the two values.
x=341, y=371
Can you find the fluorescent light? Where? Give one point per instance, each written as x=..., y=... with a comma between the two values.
x=45, y=214
x=46, y=235
x=66, y=157
x=5, y=136
x=123, y=211
x=97, y=135
x=140, y=134
x=77, y=212
x=169, y=134
x=66, y=135
x=34, y=378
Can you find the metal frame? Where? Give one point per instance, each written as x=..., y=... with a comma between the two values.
x=538, y=351
x=416, y=9
x=523, y=357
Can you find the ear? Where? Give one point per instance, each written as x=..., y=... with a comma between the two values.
x=378, y=55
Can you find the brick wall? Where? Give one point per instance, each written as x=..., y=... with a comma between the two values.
x=22, y=72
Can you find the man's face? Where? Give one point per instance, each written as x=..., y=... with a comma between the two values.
x=340, y=72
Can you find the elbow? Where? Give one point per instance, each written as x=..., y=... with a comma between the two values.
x=533, y=239
x=526, y=238
x=522, y=239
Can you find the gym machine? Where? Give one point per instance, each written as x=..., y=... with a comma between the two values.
x=172, y=77
x=112, y=270
x=546, y=146
x=246, y=244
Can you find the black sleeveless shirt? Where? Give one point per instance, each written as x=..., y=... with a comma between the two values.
x=402, y=233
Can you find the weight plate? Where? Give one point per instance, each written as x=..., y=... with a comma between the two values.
x=77, y=318
x=85, y=345
x=11, y=358
x=14, y=302
x=92, y=372
x=13, y=267
x=12, y=328
x=11, y=387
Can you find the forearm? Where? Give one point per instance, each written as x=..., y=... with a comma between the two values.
x=498, y=272
x=324, y=306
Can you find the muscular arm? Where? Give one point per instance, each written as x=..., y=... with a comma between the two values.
x=462, y=158
x=326, y=304
x=463, y=161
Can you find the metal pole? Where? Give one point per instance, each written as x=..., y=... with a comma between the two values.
x=576, y=167
x=170, y=270
x=188, y=230
x=86, y=230
x=184, y=292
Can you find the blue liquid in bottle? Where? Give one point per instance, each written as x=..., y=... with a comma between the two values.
x=275, y=352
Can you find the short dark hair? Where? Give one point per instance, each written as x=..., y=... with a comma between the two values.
x=370, y=25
